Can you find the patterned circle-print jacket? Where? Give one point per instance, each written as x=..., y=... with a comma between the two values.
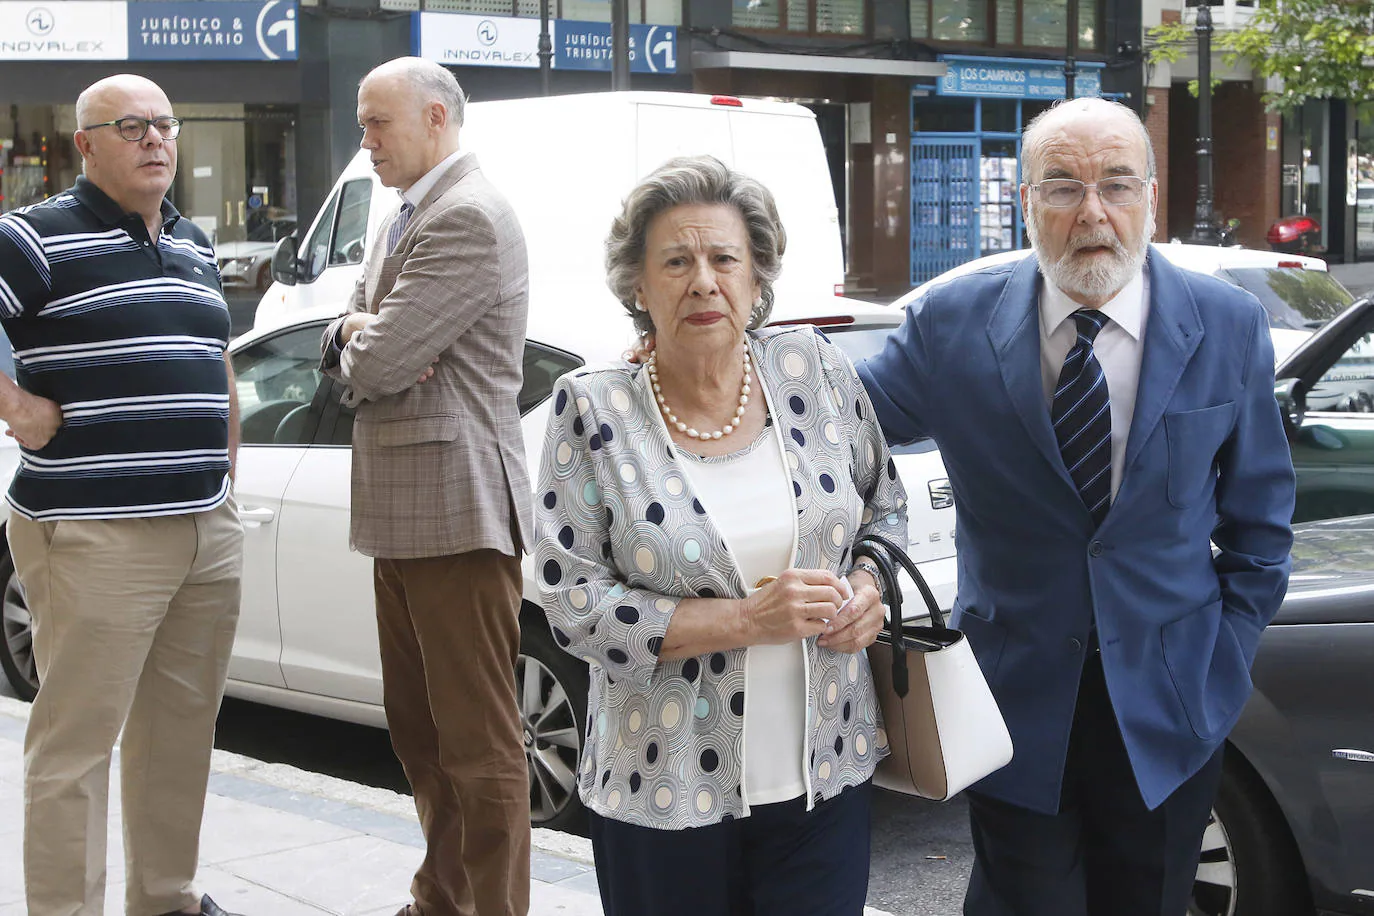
x=623, y=539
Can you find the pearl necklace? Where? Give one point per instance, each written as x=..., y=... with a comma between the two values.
x=673, y=421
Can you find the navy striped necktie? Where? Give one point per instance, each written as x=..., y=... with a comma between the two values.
x=1082, y=417
x=393, y=236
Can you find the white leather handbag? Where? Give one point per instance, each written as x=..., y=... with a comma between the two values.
x=944, y=729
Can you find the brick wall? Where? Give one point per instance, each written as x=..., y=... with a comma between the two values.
x=1157, y=123
x=1245, y=174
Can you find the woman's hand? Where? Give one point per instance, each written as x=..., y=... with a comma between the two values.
x=858, y=626
x=792, y=607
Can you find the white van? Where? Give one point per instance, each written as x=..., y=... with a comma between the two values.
x=566, y=164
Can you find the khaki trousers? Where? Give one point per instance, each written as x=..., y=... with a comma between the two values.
x=133, y=622
x=449, y=632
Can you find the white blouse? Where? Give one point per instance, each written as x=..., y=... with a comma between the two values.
x=748, y=497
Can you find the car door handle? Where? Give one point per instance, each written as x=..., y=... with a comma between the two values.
x=257, y=515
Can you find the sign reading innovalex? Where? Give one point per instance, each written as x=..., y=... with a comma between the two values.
x=1002, y=77
x=457, y=39
x=63, y=30
x=142, y=30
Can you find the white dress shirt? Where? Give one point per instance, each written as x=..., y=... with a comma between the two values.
x=1118, y=348
x=416, y=192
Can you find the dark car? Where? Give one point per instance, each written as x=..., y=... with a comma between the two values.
x=1293, y=828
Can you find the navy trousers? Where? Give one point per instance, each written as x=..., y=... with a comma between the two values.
x=1104, y=853
x=780, y=861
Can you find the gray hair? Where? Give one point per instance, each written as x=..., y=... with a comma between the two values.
x=1038, y=131
x=694, y=180
x=430, y=82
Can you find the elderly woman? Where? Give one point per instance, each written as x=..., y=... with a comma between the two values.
x=697, y=514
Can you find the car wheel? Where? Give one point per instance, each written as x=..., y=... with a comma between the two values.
x=16, y=649
x=551, y=688
x=1250, y=865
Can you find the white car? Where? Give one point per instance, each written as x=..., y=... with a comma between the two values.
x=249, y=263
x=307, y=635
x=1297, y=291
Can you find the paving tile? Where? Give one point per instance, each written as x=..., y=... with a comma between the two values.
x=584, y=883
x=349, y=876
x=239, y=896
x=553, y=869
x=12, y=869
x=557, y=900
x=234, y=829
x=356, y=818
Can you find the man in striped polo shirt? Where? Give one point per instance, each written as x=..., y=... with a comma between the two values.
x=122, y=527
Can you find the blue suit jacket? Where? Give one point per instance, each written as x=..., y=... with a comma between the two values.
x=1206, y=463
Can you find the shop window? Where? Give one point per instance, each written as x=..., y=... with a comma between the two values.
x=1000, y=115
x=933, y=114
x=642, y=12
x=1016, y=23
x=950, y=20
x=831, y=17
x=1044, y=24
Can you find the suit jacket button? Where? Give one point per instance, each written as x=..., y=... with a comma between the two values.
x=1075, y=645
x=1095, y=549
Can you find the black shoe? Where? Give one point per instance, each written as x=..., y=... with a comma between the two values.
x=208, y=907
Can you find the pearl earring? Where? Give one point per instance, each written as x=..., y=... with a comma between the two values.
x=639, y=306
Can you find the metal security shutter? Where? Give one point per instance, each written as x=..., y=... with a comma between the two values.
x=944, y=215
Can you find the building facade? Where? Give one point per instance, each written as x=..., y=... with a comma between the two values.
x=920, y=102
x=1317, y=161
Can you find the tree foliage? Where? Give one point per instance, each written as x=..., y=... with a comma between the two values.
x=1317, y=48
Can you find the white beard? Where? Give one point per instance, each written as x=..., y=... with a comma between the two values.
x=1100, y=278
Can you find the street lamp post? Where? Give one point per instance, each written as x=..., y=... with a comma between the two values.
x=1070, y=65
x=1204, y=218
x=620, y=44
x=545, y=48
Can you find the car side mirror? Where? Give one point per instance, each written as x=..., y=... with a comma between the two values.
x=285, y=269
x=1292, y=406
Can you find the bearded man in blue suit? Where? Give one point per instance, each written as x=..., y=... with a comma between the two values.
x=1107, y=420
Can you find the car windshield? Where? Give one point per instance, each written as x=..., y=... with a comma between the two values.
x=1296, y=299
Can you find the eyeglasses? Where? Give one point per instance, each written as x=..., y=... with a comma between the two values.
x=135, y=129
x=1121, y=191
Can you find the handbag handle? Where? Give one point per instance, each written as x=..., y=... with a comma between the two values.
x=897, y=555
x=883, y=553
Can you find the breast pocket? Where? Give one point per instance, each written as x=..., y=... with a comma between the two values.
x=1195, y=437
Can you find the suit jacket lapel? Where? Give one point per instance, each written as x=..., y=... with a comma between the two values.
x=1015, y=334
x=382, y=269
x=1173, y=332
x=372, y=270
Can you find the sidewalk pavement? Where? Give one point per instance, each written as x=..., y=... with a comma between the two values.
x=278, y=841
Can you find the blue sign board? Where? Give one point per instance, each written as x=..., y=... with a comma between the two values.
x=587, y=46
x=228, y=30
x=999, y=77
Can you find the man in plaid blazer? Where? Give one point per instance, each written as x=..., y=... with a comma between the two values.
x=431, y=349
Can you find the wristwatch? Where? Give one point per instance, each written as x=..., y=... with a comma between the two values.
x=868, y=566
